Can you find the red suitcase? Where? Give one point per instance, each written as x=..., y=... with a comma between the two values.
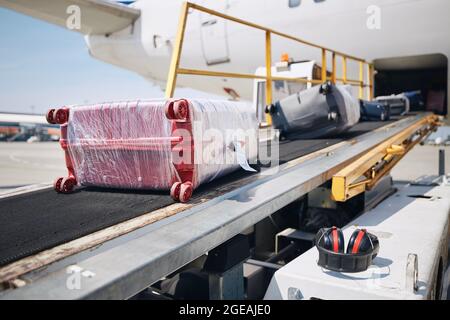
x=155, y=144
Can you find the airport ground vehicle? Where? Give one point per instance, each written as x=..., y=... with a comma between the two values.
x=21, y=127
x=119, y=245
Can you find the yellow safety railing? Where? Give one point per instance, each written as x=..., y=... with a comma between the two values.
x=175, y=68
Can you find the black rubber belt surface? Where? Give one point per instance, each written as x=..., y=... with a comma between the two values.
x=33, y=222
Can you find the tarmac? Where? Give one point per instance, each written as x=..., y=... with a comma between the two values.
x=23, y=164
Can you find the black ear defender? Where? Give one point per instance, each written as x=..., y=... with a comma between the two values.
x=332, y=239
x=362, y=248
x=362, y=242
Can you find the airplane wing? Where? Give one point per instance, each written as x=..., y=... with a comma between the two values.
x=16, y=118
x=96, y=16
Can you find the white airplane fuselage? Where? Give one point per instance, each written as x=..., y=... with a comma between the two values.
x=405, y=28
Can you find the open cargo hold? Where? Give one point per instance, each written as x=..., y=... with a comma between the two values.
x=171, y=145
x=316, y=112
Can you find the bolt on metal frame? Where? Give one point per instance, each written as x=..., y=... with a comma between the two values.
x=175, y=68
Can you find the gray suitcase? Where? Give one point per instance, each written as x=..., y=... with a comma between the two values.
x=398, y=104
x=322, y=110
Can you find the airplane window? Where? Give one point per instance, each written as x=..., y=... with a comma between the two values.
x=294, y=3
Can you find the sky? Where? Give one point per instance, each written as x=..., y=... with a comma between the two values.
x=43, y=65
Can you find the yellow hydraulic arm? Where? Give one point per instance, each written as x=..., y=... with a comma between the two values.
x=368, y=169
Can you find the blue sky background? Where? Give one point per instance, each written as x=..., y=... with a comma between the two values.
x=43, y=65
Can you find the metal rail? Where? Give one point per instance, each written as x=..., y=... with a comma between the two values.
x=175, y=69
x=143, y=256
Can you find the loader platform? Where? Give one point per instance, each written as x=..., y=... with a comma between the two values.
x=41, y=228
x=51, y=219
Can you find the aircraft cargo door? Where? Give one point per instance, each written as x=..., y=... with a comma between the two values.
x=424, y=78
x=214, y=37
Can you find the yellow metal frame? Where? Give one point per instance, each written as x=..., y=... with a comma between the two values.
x=175, y=68
x=367, y=170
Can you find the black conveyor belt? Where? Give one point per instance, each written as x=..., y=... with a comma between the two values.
x=33, y=222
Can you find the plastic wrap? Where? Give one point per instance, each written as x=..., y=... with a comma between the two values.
x=349, y=110
x=134, y=144
x=316, y=112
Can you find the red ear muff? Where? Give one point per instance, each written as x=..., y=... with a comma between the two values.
x=335, y=240
x=359, y=242
x=332, y=239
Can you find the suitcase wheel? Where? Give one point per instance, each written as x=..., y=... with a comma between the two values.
x=176, y=110
x=168, y=110
x=57, y=184
x=49, y=116
x=61, y=116
x=180, y=109
x=181, y=191
x=175, y=191
x=332, y=116
x=68, y=184
x=186, y=191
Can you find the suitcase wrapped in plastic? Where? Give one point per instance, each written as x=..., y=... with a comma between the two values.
x=322, y=110
x=171, y=145
x=374, y=111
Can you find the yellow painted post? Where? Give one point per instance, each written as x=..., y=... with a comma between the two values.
x=368, y=82
x=361, y=79
x=268, y=75
x=178, y=45
x=324, y=65
x=333, y=64
x=344, y=69
x=371, y=81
